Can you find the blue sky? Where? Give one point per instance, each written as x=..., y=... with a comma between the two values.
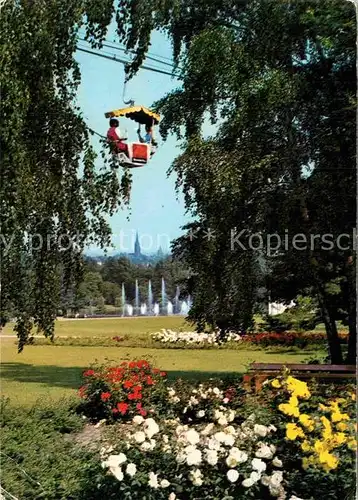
x=155, y=210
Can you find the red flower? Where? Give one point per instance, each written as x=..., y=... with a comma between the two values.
x=122, y=408
x=139, y=406
x=134, y=395
x=105, y=396
x=163, y=374
x=115, y=410
x=150, y=381
x=88, y=373
x=132, y=364
x=137, y=388
x=143, y=412
x=128, y=384
x=82, y=391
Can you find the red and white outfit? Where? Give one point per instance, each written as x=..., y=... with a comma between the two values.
x=114, y=135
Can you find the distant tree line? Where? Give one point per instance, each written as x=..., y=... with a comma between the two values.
x=102, y=281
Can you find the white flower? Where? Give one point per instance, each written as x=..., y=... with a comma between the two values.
x=172, y=496
x=153, y=480
x=194, y=457
x=264, y=452
x=196, y=477
x=258, y=464
x=137, y=420
x=222, y=420
x=276, y=462
x=192, y=436
x=229, y=440
x=254, y=477
x=176, y=399
x=239, y=455
x=232, y=475
x=260, y=430
x=295, y=498
x=220, y=436
x=272, y=428
x=148, y=445
x=265, y=480
x=131, y=469
x=230, y=429
x=214, y=444
x=165, y=438
x=212, y=457
x=200, y=414
x=115, y=460
x=117, y=472
x=216, y=391
x=151, y=427
x=206, y=431
x=164, y=483
x=139, y=437
x=193, y=401
x=231, y=415
x=276, y=479
x=225, y=400
x=231, y=461
x=171, y=391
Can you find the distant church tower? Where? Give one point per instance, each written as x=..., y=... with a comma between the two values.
x=137, y=250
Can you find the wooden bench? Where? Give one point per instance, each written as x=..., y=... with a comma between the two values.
x=259, y=372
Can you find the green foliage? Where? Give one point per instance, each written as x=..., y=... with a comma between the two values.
x=49, y=209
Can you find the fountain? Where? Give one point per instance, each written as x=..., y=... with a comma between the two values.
x=136, y=302
x=169, y=308
x=164, y=298
x=143, y=309
x=184, y=308
x=150, y=298
x=123, y=300
x=130, y=309
x=156, y=309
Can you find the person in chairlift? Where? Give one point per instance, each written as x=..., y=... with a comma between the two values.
x=114, y=135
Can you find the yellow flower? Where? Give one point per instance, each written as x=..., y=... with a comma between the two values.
x=341, y=426
x=305, y=446
x=353, y=396
x=329, y=460
x=298, y=388
x=307, y=421
x=337, y=416
x=320, y=446
x=323, y=407
x=288, y=409
x=352, y=445
x=327, y=432
x=293, y=431
x=339, y=438
x=276, y=383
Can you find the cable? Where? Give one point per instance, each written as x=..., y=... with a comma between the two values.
x=132, y=52
x=124, y=62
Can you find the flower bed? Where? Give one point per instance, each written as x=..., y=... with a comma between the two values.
x=168, y=336
x=289, y=339
x=112, y=392
x=212, y=440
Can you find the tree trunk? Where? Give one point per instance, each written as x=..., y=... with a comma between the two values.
x=350, y=290
x=334, y=344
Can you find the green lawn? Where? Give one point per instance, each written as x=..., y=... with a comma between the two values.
x=109, y=327
x=55, y=371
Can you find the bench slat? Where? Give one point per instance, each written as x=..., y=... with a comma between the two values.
x=317, y=375
x=304, y=368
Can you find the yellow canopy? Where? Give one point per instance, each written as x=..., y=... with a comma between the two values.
x=139, y=114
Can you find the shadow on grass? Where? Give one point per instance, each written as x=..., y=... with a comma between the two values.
x=71, y=377
x=54, y=376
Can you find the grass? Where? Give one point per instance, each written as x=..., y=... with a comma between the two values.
x=55, y=371
x=113, y=326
